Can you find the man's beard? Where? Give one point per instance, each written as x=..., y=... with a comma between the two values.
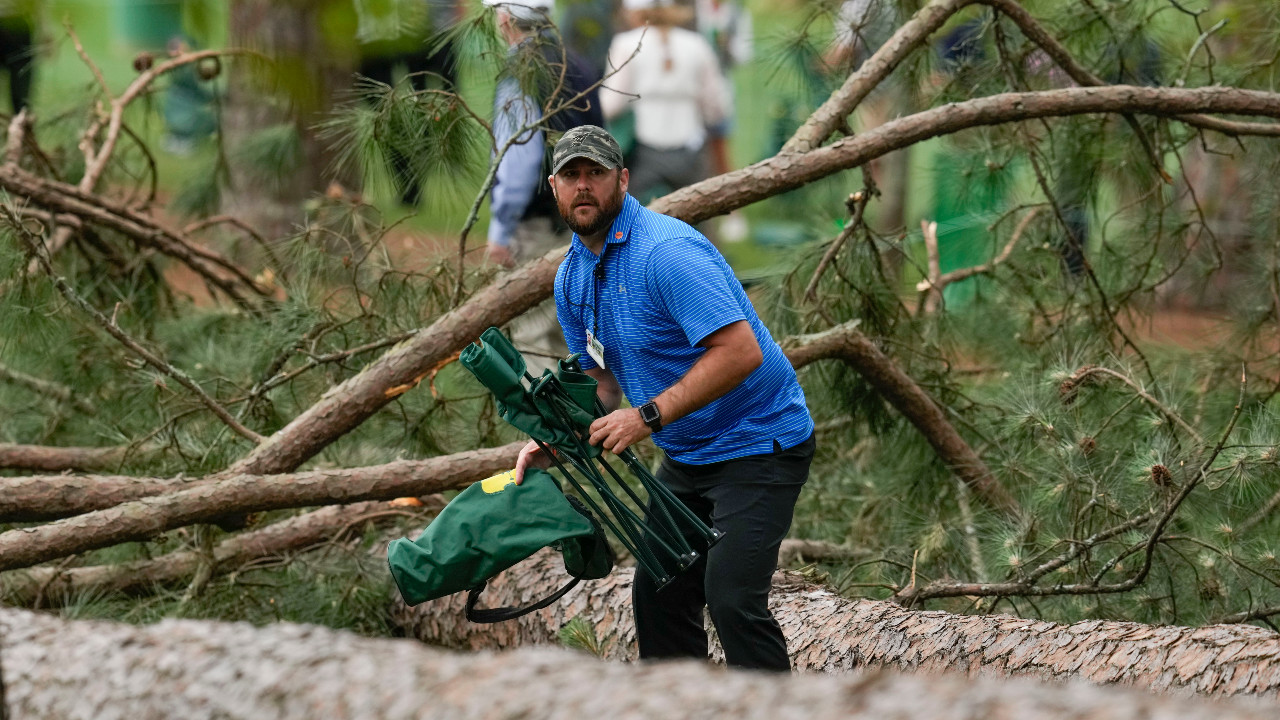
x=607, y=209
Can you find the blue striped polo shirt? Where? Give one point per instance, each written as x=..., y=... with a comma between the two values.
x=664, y=289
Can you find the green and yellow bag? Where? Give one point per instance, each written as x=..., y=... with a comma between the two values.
x=491, y=526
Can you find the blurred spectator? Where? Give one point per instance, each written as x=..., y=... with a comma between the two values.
x=405, y=39
x=727, y=26
x=587, y=27
x=189, y=115
x=17, y=50
x=681, y=103
x=524, y=221
x=969, y=190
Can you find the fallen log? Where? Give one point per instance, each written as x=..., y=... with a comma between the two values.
x=54, y=587
x=38, y=498
x=70, y=670
x=237, y=494
x=829, y=633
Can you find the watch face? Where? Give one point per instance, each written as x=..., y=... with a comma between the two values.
x=649, y=412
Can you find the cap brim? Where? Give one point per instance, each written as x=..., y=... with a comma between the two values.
x=593, y=157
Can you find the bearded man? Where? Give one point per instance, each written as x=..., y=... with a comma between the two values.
x=661, y=319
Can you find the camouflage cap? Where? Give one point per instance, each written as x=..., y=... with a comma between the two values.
x=588, y=141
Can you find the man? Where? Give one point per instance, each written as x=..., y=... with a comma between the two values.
x=661, y=318
x=524, y=223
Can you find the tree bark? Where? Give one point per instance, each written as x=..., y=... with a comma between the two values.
x=829, y=633
x=197, y=670
x=54, y=587
x=850, y=345
x=51, y=497
x=54, y=459
x=241, y=493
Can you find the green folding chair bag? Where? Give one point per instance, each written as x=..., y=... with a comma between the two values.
x=489, y=527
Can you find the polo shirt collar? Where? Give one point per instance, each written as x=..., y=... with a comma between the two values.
x=620, y=230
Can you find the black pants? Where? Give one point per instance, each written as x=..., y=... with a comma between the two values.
x=16, y=58
x=751, y=501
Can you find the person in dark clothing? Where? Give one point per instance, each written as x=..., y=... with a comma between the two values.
x=17, y=49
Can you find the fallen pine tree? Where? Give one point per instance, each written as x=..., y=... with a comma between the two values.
x=147, y=517
x=829, y=633
x=49, y=586
x=54, y=668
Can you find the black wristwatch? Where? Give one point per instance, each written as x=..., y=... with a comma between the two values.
x=651, y=416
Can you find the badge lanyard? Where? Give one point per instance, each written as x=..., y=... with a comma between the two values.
x=594, y=347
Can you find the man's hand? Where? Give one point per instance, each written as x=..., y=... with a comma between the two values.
x=619, y=430
x=501, y=254
x=531, y=456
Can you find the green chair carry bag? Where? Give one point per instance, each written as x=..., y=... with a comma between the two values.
x=491, y=526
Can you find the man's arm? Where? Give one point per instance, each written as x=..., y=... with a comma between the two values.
x=732, y=353
x=518, y=173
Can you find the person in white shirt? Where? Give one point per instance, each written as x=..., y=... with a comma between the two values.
x=670, y=78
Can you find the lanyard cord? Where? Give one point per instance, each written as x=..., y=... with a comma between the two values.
x=597, y=275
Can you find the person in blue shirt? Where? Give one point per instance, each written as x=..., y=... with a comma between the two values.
x=662, y=320
x=524, y=223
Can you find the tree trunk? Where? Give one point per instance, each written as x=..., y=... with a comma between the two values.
x=829, y=633
x=197, y=670
x=235, y=494
x=53, y=587
x=309, y=63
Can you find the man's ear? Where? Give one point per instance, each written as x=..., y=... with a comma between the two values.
x=551, y=180
x=624, y=179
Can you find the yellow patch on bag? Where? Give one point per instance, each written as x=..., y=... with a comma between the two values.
x=499, y=482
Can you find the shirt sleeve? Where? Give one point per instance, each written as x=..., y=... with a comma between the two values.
x=520, y=169
x=691, y=282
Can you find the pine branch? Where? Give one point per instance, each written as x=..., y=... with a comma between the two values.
x=61, y=393
x=847, y=343
x=33, y=244
x=47, y=587
x=935, y=285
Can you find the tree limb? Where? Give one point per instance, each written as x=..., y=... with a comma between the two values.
x=241, y=493
x=53, y=587
x=730, y=191
x=850, y=345
x=51, y=459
